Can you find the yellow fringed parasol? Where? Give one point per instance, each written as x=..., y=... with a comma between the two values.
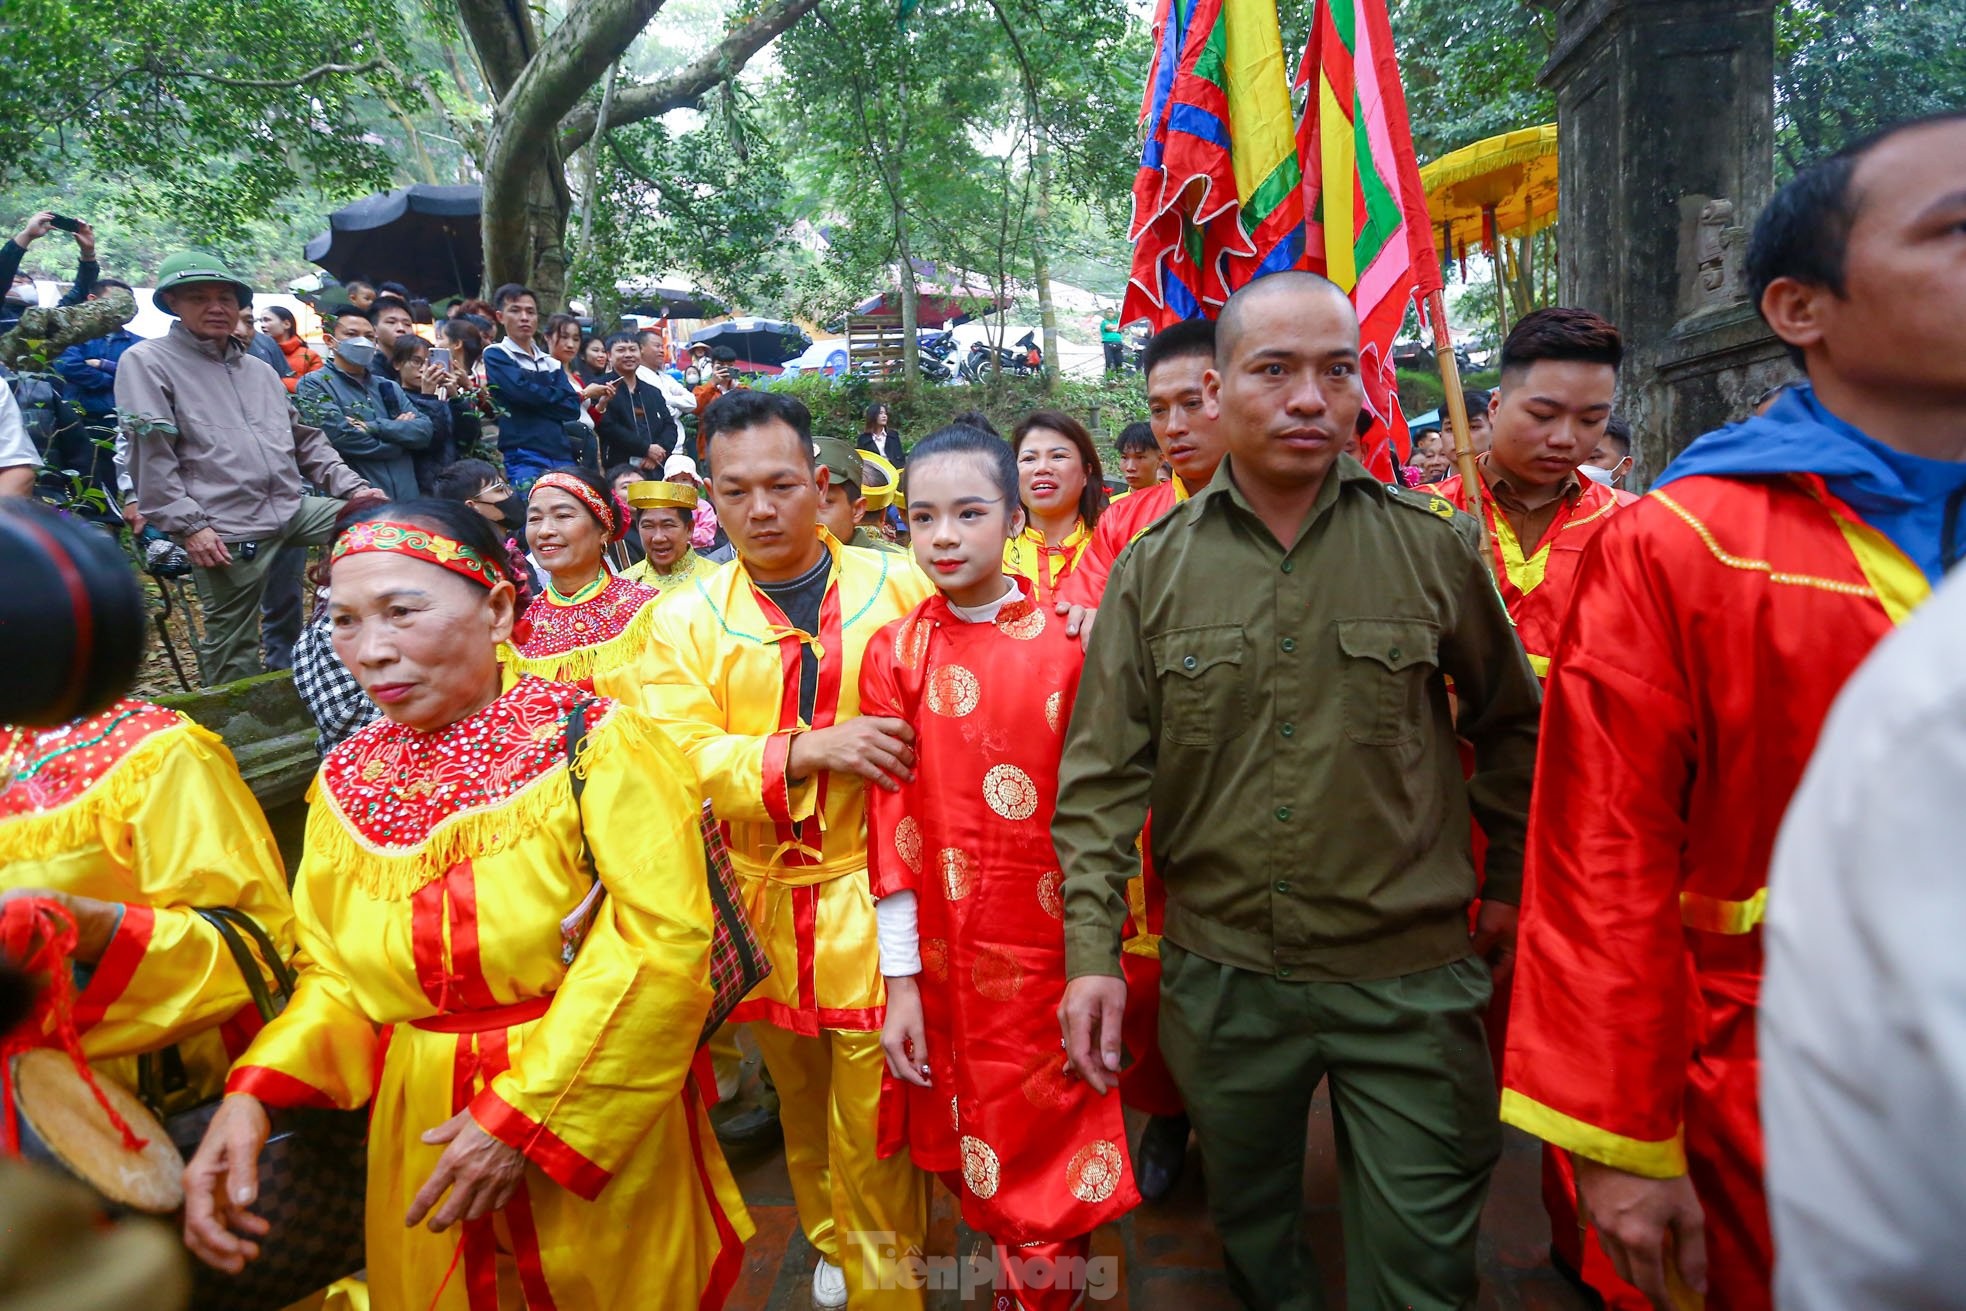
x=1504, y=186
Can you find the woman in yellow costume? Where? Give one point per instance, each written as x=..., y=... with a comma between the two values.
x=132, y=819
x=535, y=1137
x=665, y=512
x=590, y=627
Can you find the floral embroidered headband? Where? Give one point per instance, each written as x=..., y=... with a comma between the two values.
x=418, y=542
x=613, y=523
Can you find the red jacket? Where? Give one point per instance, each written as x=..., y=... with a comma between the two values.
x=1123, y=520
x=300, y=360
x=1711, y=627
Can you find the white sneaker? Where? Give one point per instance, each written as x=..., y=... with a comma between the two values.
x=828, y=1285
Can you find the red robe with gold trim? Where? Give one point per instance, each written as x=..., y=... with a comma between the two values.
x=1536, y=585
x=1712, y=626
x=1040, y=1156
x=1123, y=520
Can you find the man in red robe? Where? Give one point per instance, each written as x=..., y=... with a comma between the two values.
x=1712, y=625
x=1173, y=365
x=1559, y=371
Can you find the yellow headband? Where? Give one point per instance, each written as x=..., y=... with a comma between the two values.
x=658, y=495
x=888, y=495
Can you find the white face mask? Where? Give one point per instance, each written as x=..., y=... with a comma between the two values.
x=1602, y=477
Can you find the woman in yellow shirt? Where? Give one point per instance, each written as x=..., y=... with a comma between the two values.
x=535, y=1136
x=1064, y=493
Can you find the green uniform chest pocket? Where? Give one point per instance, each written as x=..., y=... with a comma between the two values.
x=1204, y=683
x=1388, y=665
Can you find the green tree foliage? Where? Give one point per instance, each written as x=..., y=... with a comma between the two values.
x=1470, y=68
x=1848, y=67
x=215, y=112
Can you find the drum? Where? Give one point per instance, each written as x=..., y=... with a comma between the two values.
x=63, y=1126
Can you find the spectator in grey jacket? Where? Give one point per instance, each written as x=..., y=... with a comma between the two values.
x=218, y=452
x=368, y=418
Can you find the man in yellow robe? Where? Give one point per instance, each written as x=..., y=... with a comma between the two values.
x=663, y=515
x=756, y=673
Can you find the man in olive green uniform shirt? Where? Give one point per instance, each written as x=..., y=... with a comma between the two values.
x=1270, y=671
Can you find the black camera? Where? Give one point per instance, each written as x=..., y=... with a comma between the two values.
x=71, y=617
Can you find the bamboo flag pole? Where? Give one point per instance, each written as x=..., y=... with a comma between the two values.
x=1457, y=418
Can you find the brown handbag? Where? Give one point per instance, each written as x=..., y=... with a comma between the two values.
x=313, y=1170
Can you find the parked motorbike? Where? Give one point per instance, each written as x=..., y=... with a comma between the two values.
x=933, y=353
x=1026, y=360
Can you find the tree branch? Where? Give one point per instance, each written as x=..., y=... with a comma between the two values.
x=275, y=83
x=687, y=85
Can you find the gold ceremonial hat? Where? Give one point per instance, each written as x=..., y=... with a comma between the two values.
x=887, y=495
x=649, y=495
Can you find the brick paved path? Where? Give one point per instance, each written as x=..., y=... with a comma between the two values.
x=1168, y=1254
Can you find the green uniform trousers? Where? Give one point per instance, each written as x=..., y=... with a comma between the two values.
x=1413, y=1105
x=230, y=594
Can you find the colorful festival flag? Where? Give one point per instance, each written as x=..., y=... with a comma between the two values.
x=1218, y=197
x=1366, y=212
x=1227, y=192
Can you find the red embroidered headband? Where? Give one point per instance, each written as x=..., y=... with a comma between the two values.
x=613, y=524
x=418, y=542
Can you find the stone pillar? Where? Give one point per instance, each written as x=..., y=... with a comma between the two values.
x=1665, y=121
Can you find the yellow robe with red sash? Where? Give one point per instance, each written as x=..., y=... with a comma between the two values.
x=723, y=680
x=139, y=806
x=692, y=566
x=1028, y=556
x=1713, y=624
x=439, y=869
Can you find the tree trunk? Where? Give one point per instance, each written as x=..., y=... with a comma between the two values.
x=910, y=306
x=1054, y=365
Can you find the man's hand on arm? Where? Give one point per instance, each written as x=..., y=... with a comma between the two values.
x=1652, y=1229
x=877, y=749
x=1494, y=940
x=1078, y=619
x=368, y=496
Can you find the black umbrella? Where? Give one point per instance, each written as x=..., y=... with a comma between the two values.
x=427, y=238
x=658, y=301
x=757, y=341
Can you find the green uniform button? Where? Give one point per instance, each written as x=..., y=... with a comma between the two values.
x=1283, y=814
x=1189, y=662
x=1282, y=886
x=1283, y=971
x=1393, y=654
x=1287, y=728
x=1289, y=644
x=1288, y=566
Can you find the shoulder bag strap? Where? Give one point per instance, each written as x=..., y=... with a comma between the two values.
x=574, y=928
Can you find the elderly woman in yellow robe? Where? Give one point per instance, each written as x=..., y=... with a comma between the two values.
x=535, y=1137
x=133, y=818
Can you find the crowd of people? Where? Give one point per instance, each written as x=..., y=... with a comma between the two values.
x=1459, y=799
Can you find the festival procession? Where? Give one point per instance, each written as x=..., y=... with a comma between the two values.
x=614, y=737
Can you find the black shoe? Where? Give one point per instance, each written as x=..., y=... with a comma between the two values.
x=743, y=1124
x=1163, y=1150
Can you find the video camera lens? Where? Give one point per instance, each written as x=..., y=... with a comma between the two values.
x=71, y=617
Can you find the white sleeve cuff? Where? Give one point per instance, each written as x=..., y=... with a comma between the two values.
x=897, y=927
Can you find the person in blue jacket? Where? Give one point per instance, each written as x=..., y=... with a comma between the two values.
x=530, y=390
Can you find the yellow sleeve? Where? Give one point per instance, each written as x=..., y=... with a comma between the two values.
x=321, y=1050
x=612, y=1053
x=743, y=773
x=193, y=837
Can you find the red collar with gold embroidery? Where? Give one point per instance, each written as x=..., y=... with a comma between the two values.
x=558, y=628
x=47, y=768
x=394, y=784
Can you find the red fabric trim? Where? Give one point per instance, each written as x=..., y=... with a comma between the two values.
x=492, y=1018
x=467, y=970
x=867, y=1020
x=126, y=950
x=276, y=1087
x=703, y=1073
x=777, y=787
x=479, y=1243
x=427, y=943
x=808, y=1023
x=238, y=1032
x=805, y=922
x=525, y=1250
x=730, y=1254
x=563, y=1165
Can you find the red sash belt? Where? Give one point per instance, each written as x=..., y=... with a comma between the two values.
x=494, y=1017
